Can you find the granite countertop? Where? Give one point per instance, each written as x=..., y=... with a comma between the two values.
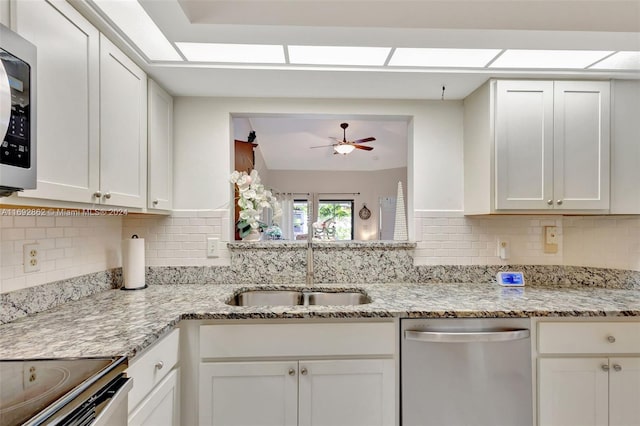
x=118, y=322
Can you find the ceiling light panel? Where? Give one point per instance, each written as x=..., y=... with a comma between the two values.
x=549, y=59
x=240, y=53
x=620, y=61
x=338, y=55
x=134, y=22
x=456, y=58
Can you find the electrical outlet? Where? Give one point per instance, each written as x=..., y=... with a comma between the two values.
x=29, y=376
x=212, y=247
x=31, y=257
x=551, y=239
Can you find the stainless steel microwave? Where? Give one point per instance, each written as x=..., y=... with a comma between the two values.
x=17, y=113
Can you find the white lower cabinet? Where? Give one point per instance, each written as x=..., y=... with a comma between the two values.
x=313, y=392
x=154, y=399
x=297, y=374
x=161, y=407
x=249, y=393
x=589, y=373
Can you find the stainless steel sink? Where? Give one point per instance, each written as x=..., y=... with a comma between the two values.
x=337, y=298
x=294, y=298
x=267, y=298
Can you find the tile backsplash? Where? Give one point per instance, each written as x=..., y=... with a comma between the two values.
x=597, y=241
x=74, y=246
x=69, y=246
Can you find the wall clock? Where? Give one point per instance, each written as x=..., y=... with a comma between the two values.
x=364, y=213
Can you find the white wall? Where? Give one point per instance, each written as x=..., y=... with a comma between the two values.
x=371, y=186
x=203, y=135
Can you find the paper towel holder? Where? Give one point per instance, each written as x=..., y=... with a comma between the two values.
x=134, y=236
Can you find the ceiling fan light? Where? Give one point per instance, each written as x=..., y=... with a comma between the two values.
x=343, y=149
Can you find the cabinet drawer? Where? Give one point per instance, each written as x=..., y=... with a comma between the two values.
x=589, y=337
x=269, y=340
x=152, y=366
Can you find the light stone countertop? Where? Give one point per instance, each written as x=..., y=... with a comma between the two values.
x=116, y=322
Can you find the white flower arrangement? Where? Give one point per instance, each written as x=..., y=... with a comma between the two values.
x=253, y=198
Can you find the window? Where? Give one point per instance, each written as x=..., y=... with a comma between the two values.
x=300, y=223
x=340, y=213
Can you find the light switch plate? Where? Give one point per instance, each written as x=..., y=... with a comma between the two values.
x=551, y=239
x=212, y=247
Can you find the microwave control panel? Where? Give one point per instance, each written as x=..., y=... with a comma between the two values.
x=16, y=145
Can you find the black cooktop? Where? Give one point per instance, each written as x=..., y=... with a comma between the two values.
x=28, y=387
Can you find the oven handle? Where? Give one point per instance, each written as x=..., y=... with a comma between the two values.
x=466, y=336
x=119, y=397
x=5, y=102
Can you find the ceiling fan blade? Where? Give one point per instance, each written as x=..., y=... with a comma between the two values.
x=366, y=148
x=323, y=146
x=335, y=139
x=364, y=140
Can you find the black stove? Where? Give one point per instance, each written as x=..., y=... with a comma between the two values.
x=48, y=391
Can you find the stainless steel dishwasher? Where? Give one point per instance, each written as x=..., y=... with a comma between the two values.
x=459, y=372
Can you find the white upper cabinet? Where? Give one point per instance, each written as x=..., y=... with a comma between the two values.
x=92, y=111
x=581, y=145
x=68, y=96
x=160, y=148
x=123, y=129
x=537, y=146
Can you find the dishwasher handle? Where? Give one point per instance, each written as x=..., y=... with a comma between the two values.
x=466, y=336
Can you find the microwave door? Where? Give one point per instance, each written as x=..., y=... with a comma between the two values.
x=5, y=101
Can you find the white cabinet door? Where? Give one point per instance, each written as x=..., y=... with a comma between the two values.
x=248, y=393
x=347, y=392
x=524, y=144
x=624, y=392
x=68, y=94
x=573, y=391
x=162, y=406
x=123, y=129
x=160, y=148
x=581, y=145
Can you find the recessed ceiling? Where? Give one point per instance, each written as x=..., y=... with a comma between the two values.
x=404, y=33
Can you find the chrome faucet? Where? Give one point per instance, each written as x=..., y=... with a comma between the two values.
x=309, y=278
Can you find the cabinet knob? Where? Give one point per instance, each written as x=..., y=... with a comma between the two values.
x=559, y=202
x=155, y=202
x=617, y=367
x=550, y=202
x=611, y=339
x=107, y=195
x=303, y=371
x=605, y=367
x=159, y=365
x=292, y=372
x=97, y=194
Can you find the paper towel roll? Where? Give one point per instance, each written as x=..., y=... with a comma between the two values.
x=133, y=263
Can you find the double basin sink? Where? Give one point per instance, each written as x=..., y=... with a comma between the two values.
x=298, y=298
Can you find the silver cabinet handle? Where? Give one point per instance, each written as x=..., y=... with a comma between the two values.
x=159, y=365
x=617, y=367
x=107, y=195
x=465, y=337
x=550, y=202
x=97, y=194
x=605, y=367
x=292, y=372
x=611, y=339
x=559, y=202
x=303, y=371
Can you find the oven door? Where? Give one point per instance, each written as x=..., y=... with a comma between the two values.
x=107, y=407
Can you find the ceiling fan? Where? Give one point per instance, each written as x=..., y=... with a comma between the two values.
x=344, y=146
